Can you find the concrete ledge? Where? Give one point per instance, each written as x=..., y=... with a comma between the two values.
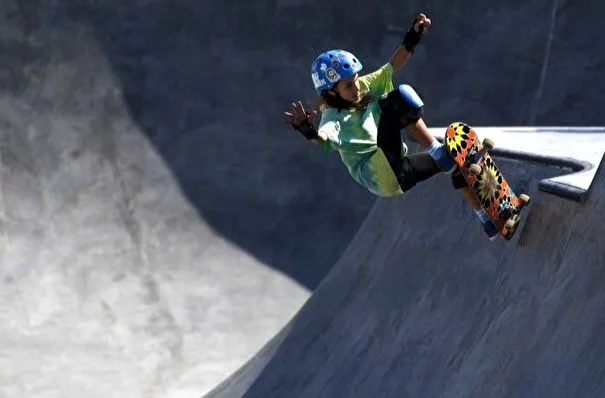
x=577, y=149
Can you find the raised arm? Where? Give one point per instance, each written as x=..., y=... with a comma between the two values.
x=410, y=41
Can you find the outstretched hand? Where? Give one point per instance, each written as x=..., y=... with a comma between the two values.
x=421, y=23
x=298, y=114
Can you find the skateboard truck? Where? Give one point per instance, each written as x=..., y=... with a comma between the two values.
x=476, y=169
x=473, y=167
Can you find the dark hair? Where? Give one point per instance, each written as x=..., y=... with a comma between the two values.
x=335, y=101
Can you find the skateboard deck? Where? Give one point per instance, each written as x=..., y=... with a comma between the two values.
x=484, y=178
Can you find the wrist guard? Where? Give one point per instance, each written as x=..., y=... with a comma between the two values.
x=412, y=38
x=307, y=130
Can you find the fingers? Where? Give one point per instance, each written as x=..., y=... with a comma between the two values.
x=298, y=113
x=422, y=23
x=300, y=108
x=296, y=108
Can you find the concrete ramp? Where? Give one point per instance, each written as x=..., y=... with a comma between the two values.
x=159, y=223
x=149, y=245
x=422, y=305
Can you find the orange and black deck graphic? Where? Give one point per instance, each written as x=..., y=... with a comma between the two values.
x=490, y=187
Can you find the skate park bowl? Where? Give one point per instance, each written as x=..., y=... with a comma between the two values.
x=166, y=234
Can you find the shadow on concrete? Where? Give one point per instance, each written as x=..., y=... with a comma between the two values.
x=207, y=85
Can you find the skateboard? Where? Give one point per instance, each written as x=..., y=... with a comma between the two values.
x=484, y=178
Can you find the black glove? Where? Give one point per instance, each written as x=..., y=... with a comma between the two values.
x=307, y=129
x=412, y=38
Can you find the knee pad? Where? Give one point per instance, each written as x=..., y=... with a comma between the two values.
x=402, y=105
x=408, y=93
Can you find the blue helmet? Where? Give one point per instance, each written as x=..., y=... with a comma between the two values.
x=331, y=66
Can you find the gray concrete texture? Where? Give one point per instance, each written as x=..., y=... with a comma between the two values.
x=411, y=310
x=158, y=226
x=161, y=223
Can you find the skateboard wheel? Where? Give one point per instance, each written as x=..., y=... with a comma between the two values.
x=488, y=144
x=524, y=199
x=509, y=225
x=474, y=169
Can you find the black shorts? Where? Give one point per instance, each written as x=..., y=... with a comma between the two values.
x=413, y=168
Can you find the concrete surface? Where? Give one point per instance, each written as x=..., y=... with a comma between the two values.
x=156, y=232
x=160, y=224
x=414, y=311
x=579, y=150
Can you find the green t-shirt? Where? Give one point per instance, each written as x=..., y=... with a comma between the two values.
x=353, y=133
